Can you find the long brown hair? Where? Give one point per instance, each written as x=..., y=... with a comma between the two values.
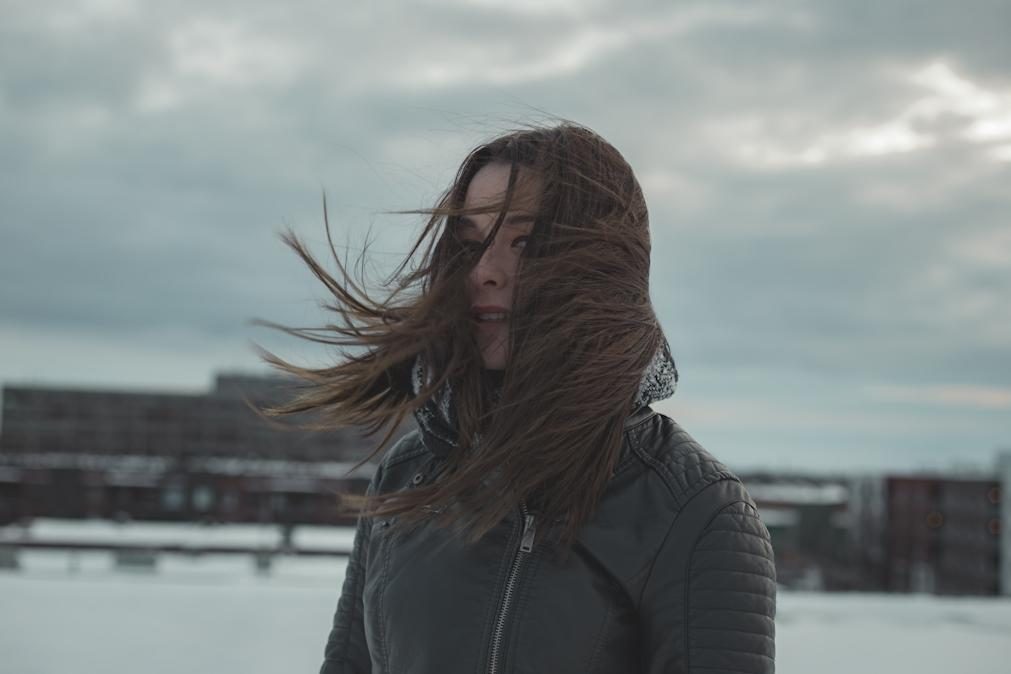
x=582, y=332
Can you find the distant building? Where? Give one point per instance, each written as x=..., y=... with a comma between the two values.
x=166, y=456
x=810, y=523
x=1004, y=475
x=942, y=535
x=209, y=457
x=126, y=423
x=920, y=533
x=869, y=520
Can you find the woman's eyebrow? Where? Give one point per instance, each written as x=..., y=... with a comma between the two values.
x=511, y=220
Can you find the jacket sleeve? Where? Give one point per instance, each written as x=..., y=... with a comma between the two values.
x=346, y=651
x=709, y=603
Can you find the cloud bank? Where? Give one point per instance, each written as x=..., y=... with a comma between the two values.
x=827, y=184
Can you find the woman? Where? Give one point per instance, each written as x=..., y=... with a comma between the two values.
x=542, y=517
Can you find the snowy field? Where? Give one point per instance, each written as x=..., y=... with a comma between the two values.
x=216, y=614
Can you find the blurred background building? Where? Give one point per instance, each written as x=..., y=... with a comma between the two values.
x=210, y=458
x=892, y=533
x=943, y=535
x=1004, y=471
x=809, y=519
x=171, y=457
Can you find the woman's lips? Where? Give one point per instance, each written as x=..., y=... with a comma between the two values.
x=489, y=313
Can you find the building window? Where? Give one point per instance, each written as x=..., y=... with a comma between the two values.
x=203, y=498
x=172, y=498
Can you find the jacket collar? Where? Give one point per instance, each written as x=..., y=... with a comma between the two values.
x=436, y=418
x=640, y=414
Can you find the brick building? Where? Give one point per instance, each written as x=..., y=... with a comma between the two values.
x=942, y=535
x=167, y=456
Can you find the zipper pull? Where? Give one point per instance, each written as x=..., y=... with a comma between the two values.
x=529, y=528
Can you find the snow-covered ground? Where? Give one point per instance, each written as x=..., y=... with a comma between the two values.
x=187, y=535
x=80, y=613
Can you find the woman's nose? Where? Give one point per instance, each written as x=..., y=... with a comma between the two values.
x=490, y=269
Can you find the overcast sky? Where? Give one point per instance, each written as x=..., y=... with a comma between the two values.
x=829, y=186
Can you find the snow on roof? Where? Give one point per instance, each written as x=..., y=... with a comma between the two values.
x=779, y=517
x=799, y=493
x=122, y=464
x=160, y=534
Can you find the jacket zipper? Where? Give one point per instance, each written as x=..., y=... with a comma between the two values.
x=526, y=546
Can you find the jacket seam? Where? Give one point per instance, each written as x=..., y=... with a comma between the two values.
x=648, y=417
x=406, y=456
x=736, y=552
x=664, y=474
x=600, y=639
x=627, y=431
x=662, y=471
x=359, y=585
x=648, y=568
x=356, y=591
x=726, y=649
x=382, y=563
x=764, y=614
x=756, y=594
x=733, y=629
x=631, y=436
x=656, y=556
x=634, y=441
x=379, y=609
x=364, y=525
x=745, y=533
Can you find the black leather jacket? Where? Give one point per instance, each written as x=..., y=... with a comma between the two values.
x=674, y=573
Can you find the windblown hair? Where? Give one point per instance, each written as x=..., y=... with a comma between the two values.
x=582, y=332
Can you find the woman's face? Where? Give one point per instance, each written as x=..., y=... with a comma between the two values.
x=491, y=282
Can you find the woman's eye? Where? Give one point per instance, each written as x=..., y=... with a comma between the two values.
x=475, y=246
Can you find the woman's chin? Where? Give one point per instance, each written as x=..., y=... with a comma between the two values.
x=493, y=340
x=494, y=357
x=494, y=363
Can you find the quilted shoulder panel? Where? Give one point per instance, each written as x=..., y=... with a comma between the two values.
x=732, y=595
x=685, y=466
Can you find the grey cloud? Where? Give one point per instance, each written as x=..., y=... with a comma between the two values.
x=127, y=211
